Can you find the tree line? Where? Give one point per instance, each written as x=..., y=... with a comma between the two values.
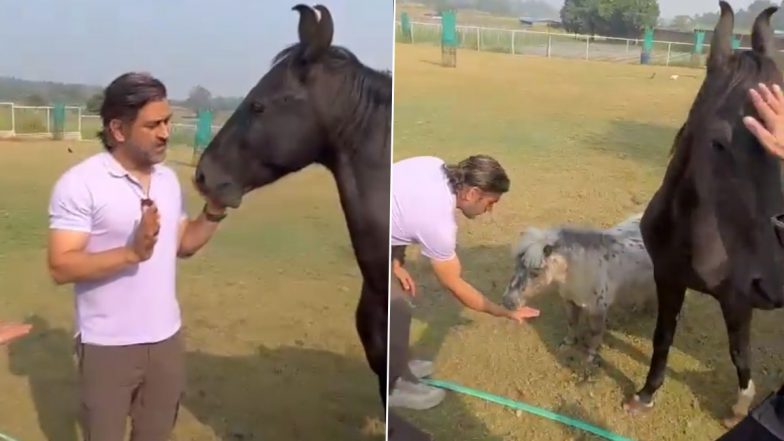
x=46, y=93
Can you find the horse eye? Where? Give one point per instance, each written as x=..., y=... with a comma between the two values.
x=257, y=107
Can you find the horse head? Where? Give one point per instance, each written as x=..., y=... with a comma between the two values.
x=733, y=178
x=296, y=115
x=537, y=266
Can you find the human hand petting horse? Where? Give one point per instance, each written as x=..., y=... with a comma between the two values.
x=770, y=106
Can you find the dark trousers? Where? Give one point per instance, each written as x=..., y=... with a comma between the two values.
x=145, y=381
x=399, y=326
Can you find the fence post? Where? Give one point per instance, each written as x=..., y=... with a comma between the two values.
x=412, y=33
x=478, y=39
x=48, y=120
x=13, y=118
x=627, y=46
x=549, y=45
x=513, y=42
x=79, y=121
x=669, y=51
x=587, y=45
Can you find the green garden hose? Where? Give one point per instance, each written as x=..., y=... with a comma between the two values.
x=528, y=408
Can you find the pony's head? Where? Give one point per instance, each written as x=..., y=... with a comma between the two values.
x=733, y=176
x=537, y=265
x=300, y=112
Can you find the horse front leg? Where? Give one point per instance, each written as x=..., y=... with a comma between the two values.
x=597, y=323
x=738, y=322
x=371, y=323
x=572, y=320
x=670, y=301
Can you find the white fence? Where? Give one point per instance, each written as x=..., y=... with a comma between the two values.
x=559, y=45
x=19, y=121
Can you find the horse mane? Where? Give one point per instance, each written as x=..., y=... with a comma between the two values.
x=361, y=95
x=531, y=244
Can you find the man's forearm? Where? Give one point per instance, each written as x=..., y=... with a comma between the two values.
x=473, y=299
x=197, y=233
x=80, y=266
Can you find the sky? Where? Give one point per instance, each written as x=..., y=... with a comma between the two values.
x=671, y=8
x=225, y=46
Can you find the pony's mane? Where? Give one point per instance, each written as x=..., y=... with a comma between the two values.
x=529, y=248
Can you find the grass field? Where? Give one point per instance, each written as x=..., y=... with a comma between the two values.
x=583, y=143
x=268, y=310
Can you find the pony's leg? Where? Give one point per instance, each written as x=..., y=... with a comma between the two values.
x=670, y=296
x=572, y=319
x=371, y=323
x=597, y=323
x=738, y=322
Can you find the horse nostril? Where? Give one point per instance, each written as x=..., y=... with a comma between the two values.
x=200, y=177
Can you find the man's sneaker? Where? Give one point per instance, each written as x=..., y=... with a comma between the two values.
x=421, y=368
x=415, y=396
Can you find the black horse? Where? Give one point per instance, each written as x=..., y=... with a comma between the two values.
x=318, y=104
x=711, y=226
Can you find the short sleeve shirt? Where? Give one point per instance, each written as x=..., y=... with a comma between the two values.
x=423, y=207
x=137, y=305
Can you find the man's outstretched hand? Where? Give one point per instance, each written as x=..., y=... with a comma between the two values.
x=12, y=331
x=523, y=313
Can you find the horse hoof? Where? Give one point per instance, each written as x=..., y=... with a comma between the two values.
x=592, y=360
x=634, y=406
x=732, y=421
x=567, y=344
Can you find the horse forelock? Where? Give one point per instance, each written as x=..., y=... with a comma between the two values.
x=529, y=248
x=723, y=97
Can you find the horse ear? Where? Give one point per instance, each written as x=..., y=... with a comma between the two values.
x=762, y=41
x=721, y=44
x=308, y=24
x=326, y=27
x=322, y=36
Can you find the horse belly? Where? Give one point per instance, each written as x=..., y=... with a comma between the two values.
x=582, y=284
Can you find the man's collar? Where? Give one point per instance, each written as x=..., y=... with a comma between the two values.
x=117, y=170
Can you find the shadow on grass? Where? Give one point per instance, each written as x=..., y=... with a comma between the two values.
x=697, y=336
x=290, y=393
x=432, y=63
x=648, y=144
x=45, y=357
x=440, y=320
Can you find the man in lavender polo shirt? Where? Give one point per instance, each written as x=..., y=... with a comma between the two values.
x=118, y=223
x=426, y=192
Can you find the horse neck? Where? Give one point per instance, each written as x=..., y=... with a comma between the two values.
x=362, y=172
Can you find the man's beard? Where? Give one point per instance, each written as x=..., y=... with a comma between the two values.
x=148, y=158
